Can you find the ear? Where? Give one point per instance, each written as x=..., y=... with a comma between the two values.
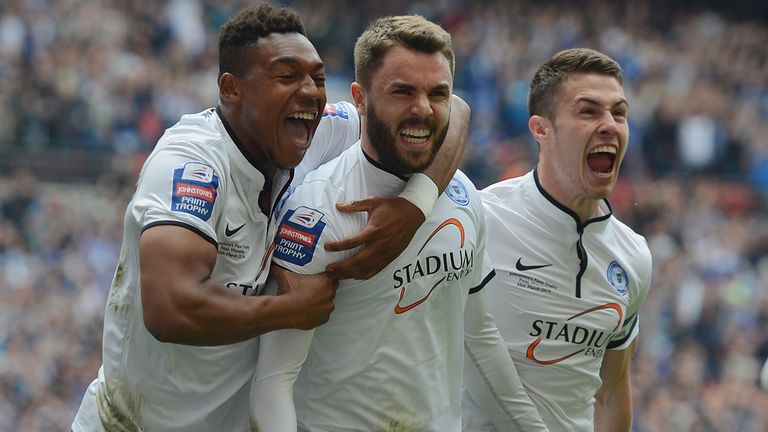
x=358, y=97
x=540, y=128
x=229, y=88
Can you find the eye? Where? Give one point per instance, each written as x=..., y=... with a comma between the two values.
x=319, y=80
x=587, y=111
x=439, y=94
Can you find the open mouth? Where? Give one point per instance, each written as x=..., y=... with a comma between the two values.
x=415, y=136
x=299, y=125
x=602, y=159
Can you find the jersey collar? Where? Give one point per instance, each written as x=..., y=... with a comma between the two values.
x=547, y=200
x=381, y=167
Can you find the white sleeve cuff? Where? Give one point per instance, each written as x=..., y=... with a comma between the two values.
x=422, y=192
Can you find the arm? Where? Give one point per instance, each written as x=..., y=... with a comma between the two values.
x=490, y=375
x=449, y=156
x=281, y=356
x=392, y=222
x=182, y=304
x=613, y=405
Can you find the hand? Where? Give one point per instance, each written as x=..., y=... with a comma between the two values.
x=311, y=295
x=392, y=222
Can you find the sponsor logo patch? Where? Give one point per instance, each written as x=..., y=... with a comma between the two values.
x=298, y=235
x=197, y=172
x=194, y=190
x=587, y=333
x=335, y=110
x=435, y=269
x=457, y=192
x=306, y=217
x=617, y=277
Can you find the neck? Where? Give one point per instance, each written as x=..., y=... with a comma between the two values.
x=252, y=151
x=585, y=207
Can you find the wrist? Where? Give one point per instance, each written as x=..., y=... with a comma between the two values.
x=422, y=192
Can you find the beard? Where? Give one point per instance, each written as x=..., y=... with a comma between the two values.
x=384, y=141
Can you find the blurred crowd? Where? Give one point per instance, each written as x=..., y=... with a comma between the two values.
x=108, y=76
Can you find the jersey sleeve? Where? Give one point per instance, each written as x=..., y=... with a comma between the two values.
x=630, y=328
x=281, y=356
x=490, y=376
x=301, y=237
x=307, y=222
x=339, y=128
x=180, y=186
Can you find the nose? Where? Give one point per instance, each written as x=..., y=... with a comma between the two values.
x=421, y=106
x=608, y=125
x=310, y=89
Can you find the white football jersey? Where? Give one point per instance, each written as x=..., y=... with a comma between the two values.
x=392, y=354
x=564, y=292
x=197, y=177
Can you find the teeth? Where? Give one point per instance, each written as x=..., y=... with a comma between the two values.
x=416, y=132
x=604, y=149
x=304, y=115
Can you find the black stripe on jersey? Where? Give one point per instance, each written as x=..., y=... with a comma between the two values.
x=581, y=253
x=580, y=250
x=614, y=344
x=383, y=168
x=487, y=279
x=183, y=225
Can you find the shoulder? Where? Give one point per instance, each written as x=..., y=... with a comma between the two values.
x=507, y=189
x=193, y=137
x=634, y=242
x=339, y=119
x=332, y=180
x=505, y=201
x=202, y=128
x=634, y=248
x=462, y=191
x=342, y=111
x=335, y=181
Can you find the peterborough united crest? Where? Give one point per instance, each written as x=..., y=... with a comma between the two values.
x=617, y=277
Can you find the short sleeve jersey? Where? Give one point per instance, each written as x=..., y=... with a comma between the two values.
x=391, y=355
x=197, y=177
x=563, y=294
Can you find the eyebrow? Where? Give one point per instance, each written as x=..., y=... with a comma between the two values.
x=594, y=102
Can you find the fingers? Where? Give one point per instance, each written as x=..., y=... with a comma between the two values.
x=366, y=204
x=311, y=297
x=356, y=240
x=363, y=265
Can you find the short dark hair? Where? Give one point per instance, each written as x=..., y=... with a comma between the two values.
x=548, y=81
x=244, y=29
x=410, y=31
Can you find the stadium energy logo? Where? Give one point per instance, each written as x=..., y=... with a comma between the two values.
x=454, y=265
x=592, y=341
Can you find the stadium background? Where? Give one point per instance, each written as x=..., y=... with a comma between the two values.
x=88, y=86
